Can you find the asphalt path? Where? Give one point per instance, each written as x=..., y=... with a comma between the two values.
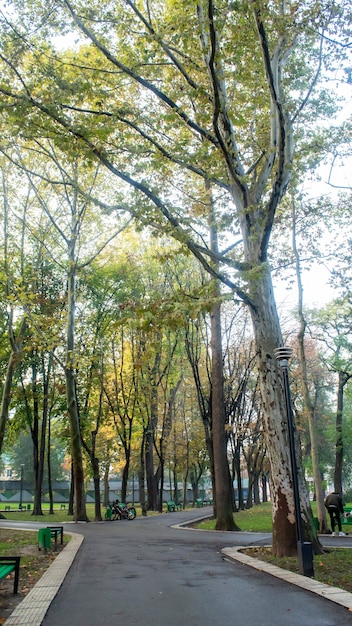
x=146, y=572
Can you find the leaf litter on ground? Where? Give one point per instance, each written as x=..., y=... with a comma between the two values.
x=34, y=563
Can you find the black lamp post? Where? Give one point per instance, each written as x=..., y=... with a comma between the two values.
x=21, y=490
x=304, y=548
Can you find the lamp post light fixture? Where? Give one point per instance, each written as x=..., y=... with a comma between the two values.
x=21, y=490
x=304, y=548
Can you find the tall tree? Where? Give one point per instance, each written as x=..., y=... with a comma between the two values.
x=212, y=94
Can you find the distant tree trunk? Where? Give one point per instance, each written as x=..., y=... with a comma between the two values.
x=161, y=474
x=165, y=434
x=152, y=487
x=152, y=490
x=94, y=462
x=223, y=497
x=16, y=342
x=125, y=474
x=106, y=486
x=343, y=378
x=237, y=460
x=40, y=463
x=223, y=494
x=185, y=475
x=249, y=499
x=91, y=448
x=323, y=526
x=79, y=507
x=96, y=480
x=264, y=488
x=195, y=477
x=33, y=421
x=174, y=474
x=72, y=493
x=204, y=396
x=50, y=487
x=14, y=359
x=256, y=497
x=141, y=475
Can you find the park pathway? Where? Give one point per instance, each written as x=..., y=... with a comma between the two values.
x=147, y=573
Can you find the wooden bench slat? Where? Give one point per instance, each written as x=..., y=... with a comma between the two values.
x=9, y=564
x=5, y=570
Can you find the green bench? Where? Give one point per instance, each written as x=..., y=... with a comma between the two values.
x=46, y=534
x=55, y=531
x=10, y=564
x=347, y=520
x=172, y=506
x=200, y=503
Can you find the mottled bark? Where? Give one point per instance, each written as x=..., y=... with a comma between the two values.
x=268, y=337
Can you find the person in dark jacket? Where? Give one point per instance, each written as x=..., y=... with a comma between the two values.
x=333, y=504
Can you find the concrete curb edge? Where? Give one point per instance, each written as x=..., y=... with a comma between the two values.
x=335, y=594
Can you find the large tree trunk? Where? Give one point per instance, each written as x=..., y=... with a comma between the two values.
x=268, y=337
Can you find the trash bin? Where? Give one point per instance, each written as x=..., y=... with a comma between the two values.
x=44, y=538
x=171, y=506
x=28, y=507
x=108, y=514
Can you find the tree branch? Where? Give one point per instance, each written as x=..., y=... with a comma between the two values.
x=282, y=138
x=142, y=81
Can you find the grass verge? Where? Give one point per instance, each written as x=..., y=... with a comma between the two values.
x=332, y=568
x=34, y=563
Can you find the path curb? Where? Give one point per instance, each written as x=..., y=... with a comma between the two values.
x=335, y=594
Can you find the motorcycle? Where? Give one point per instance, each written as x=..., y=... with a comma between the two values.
x=120, y=511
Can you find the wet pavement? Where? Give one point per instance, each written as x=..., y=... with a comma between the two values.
x=154, y=571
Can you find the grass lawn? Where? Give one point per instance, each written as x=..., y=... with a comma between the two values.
x=258, y=519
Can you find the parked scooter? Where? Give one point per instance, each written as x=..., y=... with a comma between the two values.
x=118, y=510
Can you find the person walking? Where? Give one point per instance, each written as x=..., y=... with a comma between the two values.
x=333, y=503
